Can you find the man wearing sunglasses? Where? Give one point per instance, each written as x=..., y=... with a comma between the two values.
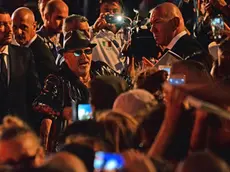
x=70, y=87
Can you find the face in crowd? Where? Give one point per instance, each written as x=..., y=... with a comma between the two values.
x=166, y=22
x=54, y=19
x=110, y=7
x=5, y=29
x=24, y=25
x=77, y=25
x=79, y=60
x=23, y=150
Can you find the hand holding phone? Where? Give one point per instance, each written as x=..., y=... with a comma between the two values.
x=217, y=25
x=84, y=112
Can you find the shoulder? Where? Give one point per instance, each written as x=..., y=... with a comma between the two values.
x=189, y=41
x=53, y=80
x=101, y=68
x=20, y=50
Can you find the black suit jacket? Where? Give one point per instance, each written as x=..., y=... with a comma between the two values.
x=16, y=97
x=44, y=59
x=189, y=49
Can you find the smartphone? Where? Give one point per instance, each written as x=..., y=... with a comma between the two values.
x=217, y=25
x=165, y=67
x=84, y=112
x=177, y=79
x=108, y=161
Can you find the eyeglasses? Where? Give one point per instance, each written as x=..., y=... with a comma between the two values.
x=78, y=53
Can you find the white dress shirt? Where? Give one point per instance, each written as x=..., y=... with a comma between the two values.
x=31, y=41
x=175, y=39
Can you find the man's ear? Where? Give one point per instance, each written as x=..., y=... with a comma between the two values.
x=46, y=16
x=35, y=25
x=175, y=22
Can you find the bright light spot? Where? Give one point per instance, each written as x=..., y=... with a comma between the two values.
x=119, y=18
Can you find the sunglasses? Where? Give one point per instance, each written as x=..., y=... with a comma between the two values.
x=78, y=53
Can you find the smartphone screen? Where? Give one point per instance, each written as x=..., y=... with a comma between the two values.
x=108, y=161
x=84, y=112
x=166, y=68
x=217, y=25
x=177, y=79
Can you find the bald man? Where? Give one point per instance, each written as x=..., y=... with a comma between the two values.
x=55, y=12
x=24, y=30
x=170, y=32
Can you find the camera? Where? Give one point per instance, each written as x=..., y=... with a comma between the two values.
x=114, y=19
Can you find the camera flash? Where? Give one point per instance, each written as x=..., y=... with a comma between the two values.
x=119, y=18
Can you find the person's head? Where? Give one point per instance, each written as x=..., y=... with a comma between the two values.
x=20, y=146
x=111, y=6
x=166, y=22
x=134, y=101
x=63, y=162
x=41, y=7
x=76, y=22
x=104, y=90
x=119, y=127
x=151, y=80
x=89, y=133
x=77, y=52
x=5, y=28
x=54, y=13
x=83, y=152
x=203, y=161
x=24, y=25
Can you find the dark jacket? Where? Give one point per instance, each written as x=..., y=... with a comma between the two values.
x=44, y=59
x=189, y=49
x=60, y=90
x=51, y=45
x=17, y=97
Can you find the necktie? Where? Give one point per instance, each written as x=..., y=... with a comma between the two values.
x=3, y=70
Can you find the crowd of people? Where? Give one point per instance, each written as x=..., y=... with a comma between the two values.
x=137, y=115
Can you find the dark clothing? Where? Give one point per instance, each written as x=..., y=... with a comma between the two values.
x=44, y=59
x=51, y=45
x=17, y=96
x=189, y=49
x=61, y=91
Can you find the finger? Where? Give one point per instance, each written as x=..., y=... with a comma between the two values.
x=132, y=62
x=226, y=26
x=102, y=15
x=147, y=62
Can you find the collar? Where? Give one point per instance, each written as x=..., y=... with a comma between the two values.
x=5, y=50
x=175, y=39
x=31, y=41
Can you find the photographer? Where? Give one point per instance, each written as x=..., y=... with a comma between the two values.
x=109, y=35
